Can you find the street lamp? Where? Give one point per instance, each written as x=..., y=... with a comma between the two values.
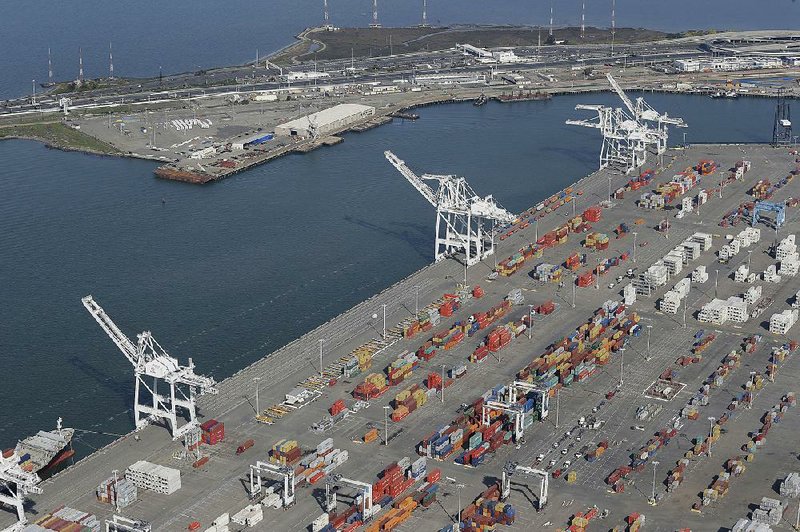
x=752, y=387
x=458, y=491
x=634, y=246
x=530, y=320
x=749, y=255
x=621, y=365
x=574, y=284
x=716, y=282
x=442, y=383
x=558, y=394
x=685, y=303
x=649, y=328
x=655, y=463
x=258, y=409
x=321, y=344
x=375, y=317
x=711, y=419
x=416, y=303
x=386, y=424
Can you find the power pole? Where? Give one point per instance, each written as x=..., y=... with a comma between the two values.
x=424, y=13
x=110, y=62
x=551, y=18
x=49, y=68
x=327, y=14
x=80, y=66
x=583, y=19
x=613, y=24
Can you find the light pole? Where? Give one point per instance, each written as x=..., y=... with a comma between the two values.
x=634, y=247
x=711, y=419
x=558, y=394
x=384, y=321
x=655, y=463
x=574, y=284
x=258, y=408
x=621, y=365
x=752, y=387
x=536, y=227
x=386, y=424
x=685, y=303
x=716, y=282
x=416, y=303
x=649, y=328
x=609, y=188
x=684, y=140
x=749, y=254
x=458, y=492
x=321, y=344
x=442, y=383
x=530, y=321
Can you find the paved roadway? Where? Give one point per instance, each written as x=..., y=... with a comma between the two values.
x=219, y=486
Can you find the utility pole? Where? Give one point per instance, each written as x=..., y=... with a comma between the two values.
x=321, y=344
x=386, y=424
x=574, y=284
x=33, y=98
x=711, y=419
x=613, y=24
x=416, y=302
x=621, y=366
x=558, y=404
x=326, y=15
x=80, y=66
x=424, y=13
x=649, y=328
x=685, y=303
x=583, y=19
x=442, y=383
x=716, y=282
x=530, y=321
x=384, y=321
x=551, y=18
x=258, y=408
x=49, y=68
x=609, y=188
x=655, y=463
x=110, y=62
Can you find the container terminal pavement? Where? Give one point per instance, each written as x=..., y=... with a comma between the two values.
x=221, y=484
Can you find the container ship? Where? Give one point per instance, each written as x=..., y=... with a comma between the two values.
x=46, y=449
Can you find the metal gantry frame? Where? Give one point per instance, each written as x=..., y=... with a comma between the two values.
x=151, y=361
x=626, y=132
x=284, y=472
x=364, y=487
x=15, y=485
x=767, y=206
x=464, y=220
x=511, y=468
x=510, y=406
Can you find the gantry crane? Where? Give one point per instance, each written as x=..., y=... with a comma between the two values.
x=642, y=112
x=364, y=487
x=15, y=485
x=149, y=360
x=511, y=468
x=624, y=140
x=510, y=406
x=461, y=215
x=767, y=206
x=286, y=473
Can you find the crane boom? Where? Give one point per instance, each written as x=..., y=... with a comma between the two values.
x=107, y=324
x=421, y=186
x=624, y=97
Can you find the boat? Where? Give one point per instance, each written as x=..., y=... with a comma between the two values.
x=482, y=99
x=523, y=96
x=46, y=449
x=731, y=95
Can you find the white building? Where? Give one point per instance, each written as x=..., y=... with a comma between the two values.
x=326, y=121
x=699, y=275
x=752, y=295
x=719, y=311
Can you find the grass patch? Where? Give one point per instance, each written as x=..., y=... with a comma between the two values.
x=58, y=135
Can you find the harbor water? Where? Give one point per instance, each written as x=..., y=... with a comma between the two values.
x=228, y=272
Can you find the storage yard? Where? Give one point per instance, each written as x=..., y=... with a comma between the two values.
x=614, y=393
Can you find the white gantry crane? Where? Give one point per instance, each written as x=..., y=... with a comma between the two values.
x=627, y=134
x=364, y=487
x=286, y=473
x=642, y=112
x=462, y=217
x=149, y=360
x=511, y=468
x=15, y=485
x=624, y=140
x=510, y=406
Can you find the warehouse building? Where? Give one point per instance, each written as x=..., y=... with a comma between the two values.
x=326, y=121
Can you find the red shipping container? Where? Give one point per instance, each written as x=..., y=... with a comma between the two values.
x=434, y=475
